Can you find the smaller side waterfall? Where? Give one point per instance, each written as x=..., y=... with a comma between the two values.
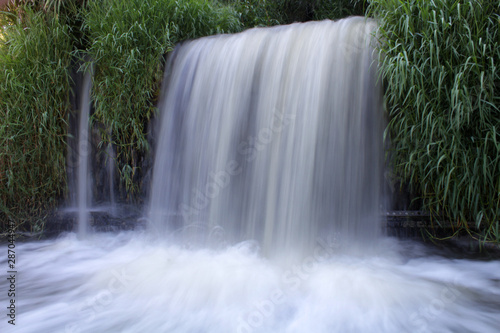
x=84, y=149
x=110, y=165
x=92, y=175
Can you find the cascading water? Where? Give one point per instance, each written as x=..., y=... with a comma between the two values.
x=270, y=135
x=111, y=165
x=83, y=184
x=274, y=135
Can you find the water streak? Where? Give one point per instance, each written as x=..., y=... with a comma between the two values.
x=84, y=149
x=111, y=165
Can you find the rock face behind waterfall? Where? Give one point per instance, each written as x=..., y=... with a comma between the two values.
x=272, y=135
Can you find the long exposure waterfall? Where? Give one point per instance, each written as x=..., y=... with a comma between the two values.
x=264, y=210
x=273, y=135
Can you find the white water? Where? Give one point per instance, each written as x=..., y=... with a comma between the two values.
x=273, y=135
x=84, y=152
x=129, y=283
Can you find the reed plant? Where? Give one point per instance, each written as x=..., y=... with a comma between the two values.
x=127, y=42
x=34, y=104
x=439, y=60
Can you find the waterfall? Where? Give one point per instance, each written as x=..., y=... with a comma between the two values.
x=272, y=135
x=269, y=137
x=84, y=151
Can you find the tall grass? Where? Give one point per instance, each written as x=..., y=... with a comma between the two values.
x=127, y=40
x=34, y=91
x=440, y=63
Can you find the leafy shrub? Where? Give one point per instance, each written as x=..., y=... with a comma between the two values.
x=440, y=62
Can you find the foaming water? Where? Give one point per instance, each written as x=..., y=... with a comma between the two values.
x=128, y=283
x=272, y=134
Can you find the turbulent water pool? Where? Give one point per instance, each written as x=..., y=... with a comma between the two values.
x=129, y=282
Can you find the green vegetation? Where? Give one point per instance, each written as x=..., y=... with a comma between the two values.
x=271, y=12
x=440, y=63
x=34, y=92
x=255, y=13
x=126, y=42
